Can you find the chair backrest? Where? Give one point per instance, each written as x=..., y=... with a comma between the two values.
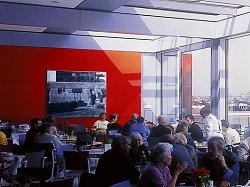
x=35, y=159
x=21, y=138
x=7, y=148
x=113, y=133
x=49, y=149
x=6, y=129
x=152, y=141
x=80, y=128
x=76, y=160
x=84, y=139
x=68, y=182
x=36, y=174
x=122, y=184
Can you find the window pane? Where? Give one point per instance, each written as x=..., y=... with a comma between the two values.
x=170, y=104
x=201, y=80
x=238, y=81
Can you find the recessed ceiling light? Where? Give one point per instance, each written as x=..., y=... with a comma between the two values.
x=55, y=2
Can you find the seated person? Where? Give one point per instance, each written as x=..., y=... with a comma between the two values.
x=45, y=135
x=161, y=129
x=3, y=139
x=51, y=120
x=139, y=152
x=158, y=173
x=182, y=140
x=140, y=127
x=115, y=166
x=194, y=129
x=113, y=125
x=182, y=127
x=34, y=129
x=222, y=164
x=101, y=124
x=244, y=147
x=128, y=124
x=179, y=153
x=231, y=136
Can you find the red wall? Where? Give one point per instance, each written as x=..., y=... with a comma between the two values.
x=23, y=80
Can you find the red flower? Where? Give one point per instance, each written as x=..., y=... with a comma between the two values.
x=106, y=139
x=200, y=176
x=200, y=171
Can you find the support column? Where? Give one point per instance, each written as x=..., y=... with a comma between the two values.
x=218, y=86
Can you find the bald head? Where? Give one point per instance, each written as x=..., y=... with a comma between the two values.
x=162, y=120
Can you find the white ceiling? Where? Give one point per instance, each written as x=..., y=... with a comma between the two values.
x=54, y=3
x=200, y=6
x=109, y=16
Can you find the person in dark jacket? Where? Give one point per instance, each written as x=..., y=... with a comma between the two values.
x=112, y=125
x=161, y=129
x=222, y=164
x=115, y=166
x=194, y=129
x=34, y=129
x=128, y=124
x=139, y=153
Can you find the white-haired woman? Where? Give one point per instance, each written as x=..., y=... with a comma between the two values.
x=244, y=147
x=158, y=174
x=139, y=152
x=182, y=140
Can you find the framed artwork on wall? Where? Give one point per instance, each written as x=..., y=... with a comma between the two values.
x=72, y=94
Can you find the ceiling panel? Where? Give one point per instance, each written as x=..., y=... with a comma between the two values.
x=116, y=35
x=54, y=3
x=21, y=28
x=231, y=2
x=194, y=6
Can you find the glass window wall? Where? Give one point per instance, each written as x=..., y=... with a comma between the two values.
x=239, y=81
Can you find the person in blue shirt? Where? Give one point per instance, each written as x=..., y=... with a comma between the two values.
x=179, y=153
x=140, y=127
x=222, y=164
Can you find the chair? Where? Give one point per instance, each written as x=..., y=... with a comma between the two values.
x=244, y=171
x=92, y=164
x=36, y=174
x=83, y=139
x=80, y=128
x=21, y=138
x=112, y=133
x=75, y=163
x=122, y=184
x=6, y=129
x=34, y=159
x=49, y=153
x=152, y=141
x=67, y=182
x=6, y=148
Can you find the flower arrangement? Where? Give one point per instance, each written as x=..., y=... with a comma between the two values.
x=200, y=176
x=93, y=131
x=106, y=140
